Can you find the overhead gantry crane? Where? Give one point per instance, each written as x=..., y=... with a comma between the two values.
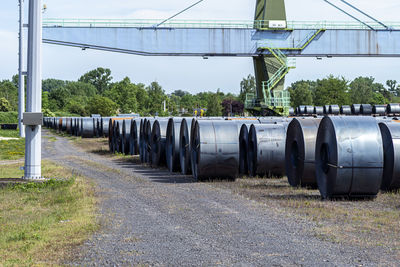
x=269, y=39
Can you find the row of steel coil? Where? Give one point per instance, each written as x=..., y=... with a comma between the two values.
x=355, y=109
x=342, y=156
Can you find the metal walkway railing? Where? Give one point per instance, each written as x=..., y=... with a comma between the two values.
x=235, y=24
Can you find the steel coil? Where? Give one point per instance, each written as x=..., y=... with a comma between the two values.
x=345, y=110
x=349, y=157
x=291, y=111
x=309, y=110
x=302, y=110
x=266, y=149
x=147, y=139
x=319, y=110
x=366, y=109
x=393, y=108
x=215, y=150
x=134, y=137
x=379, y=110
x=87, y=127
x=118, y=136
x=126, y=136
x=326, y=109
x=390, y=132
x=104, y=124
x=142, y=146
x=184, y=146
x=172, y=144
x=355, y=109
x=300, y=151
x=334, y=110
x=158, y=141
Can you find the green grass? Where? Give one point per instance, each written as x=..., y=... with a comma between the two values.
x=11, y=171
x=9, y=133
x=12, y=149
x=42, y=223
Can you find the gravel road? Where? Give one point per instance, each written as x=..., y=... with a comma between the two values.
x=150, y=217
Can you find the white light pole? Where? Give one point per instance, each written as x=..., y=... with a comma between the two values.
x=21, y=80
x=33, y=138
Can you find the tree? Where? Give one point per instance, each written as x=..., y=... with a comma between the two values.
x=10, y=92
x=102, y=105
x=331, y=90
x=156, y=98
x=232, y=107
x=123, y=93
x=58, y=98
x=4, y=105
x=214, y=108
x=50, y=84
x=247, y=85
x=392, y=84
x=99, y=78
x=364, y=90
x=300, y=94
x=179, y=93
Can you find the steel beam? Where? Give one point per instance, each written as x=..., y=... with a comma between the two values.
x=228, y=41
x=34, y=93
x=21, y=76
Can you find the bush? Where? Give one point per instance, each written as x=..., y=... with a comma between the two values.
x=9, y=117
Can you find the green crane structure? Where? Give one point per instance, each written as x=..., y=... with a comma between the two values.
x=270, y=97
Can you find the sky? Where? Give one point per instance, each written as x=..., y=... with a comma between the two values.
x=192, y=74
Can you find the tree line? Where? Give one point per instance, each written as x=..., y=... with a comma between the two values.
x=95, y=92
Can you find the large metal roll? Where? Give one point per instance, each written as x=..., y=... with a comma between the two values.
x=172, y=144
x=349, y=157
x=68, y=125
x=104, y=124
x=390, y=132
x=291, y=111
x=393, y=108
x=118, y=137
x=184, y=146
x=319, y=110
x=334, y=109
x=379, y=110
x=73, y=126
x=366, y=109
x=64, y=124
x=134, y=137
x=142, y=146
x=345, y=110
x=78, y=126
x=243, y=149
x=147, y=139
x=215, y=150
x=309, y=110
x=300, y=151
x=266, y=149
x=158, y=141
x=87, y=127
x=126, y=136
x=355, y=109
x=302, y=110
x=326, y=109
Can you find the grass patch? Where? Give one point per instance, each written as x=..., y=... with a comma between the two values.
x=11, y=171
x=12, y=149
x=9, y=133
x=365, y=223
x=42, y=223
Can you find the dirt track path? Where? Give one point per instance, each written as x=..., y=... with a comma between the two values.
x=153, y=218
